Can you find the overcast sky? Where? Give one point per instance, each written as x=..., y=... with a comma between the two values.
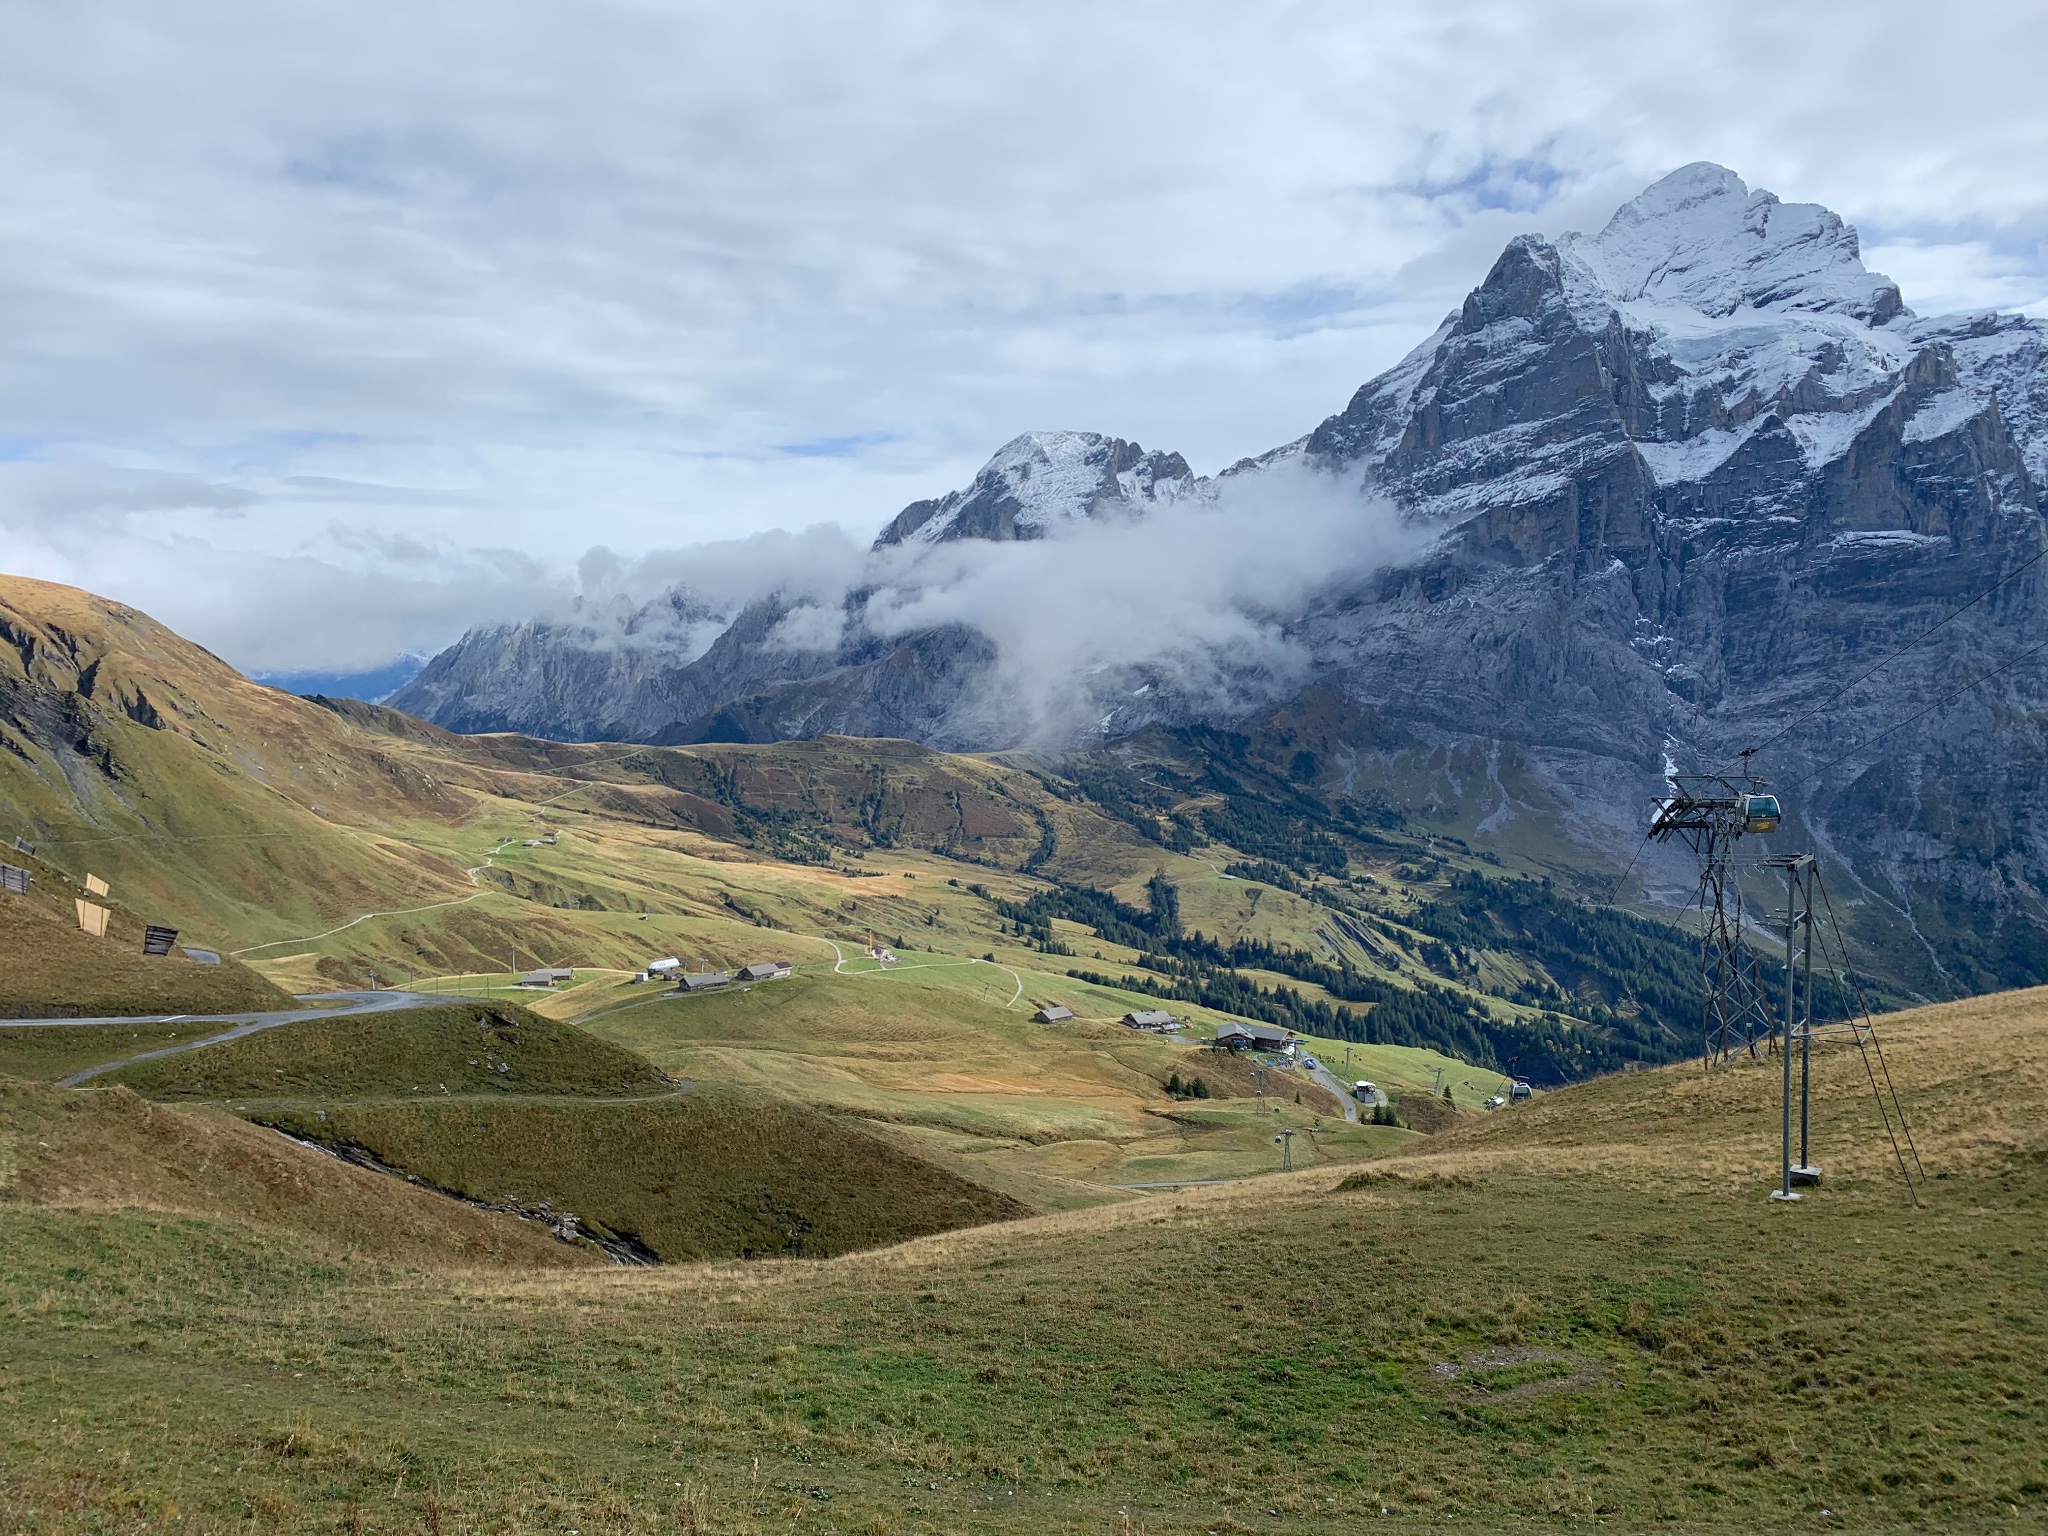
x=331, y=328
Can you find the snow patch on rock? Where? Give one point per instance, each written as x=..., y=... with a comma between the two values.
x=1040, y=481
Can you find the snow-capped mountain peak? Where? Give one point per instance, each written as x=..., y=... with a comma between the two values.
x=1702, y=239
x=1039, y=481
x=1708, y=333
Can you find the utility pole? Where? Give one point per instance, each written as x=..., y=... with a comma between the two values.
x=1798, y=869
x=1285, y=1141
x=1784, y=1190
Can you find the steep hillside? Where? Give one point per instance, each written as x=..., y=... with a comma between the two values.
x=54, y=969
x=702, y=1177
x=106, y=1150
x=245, y=815
x=210, y=802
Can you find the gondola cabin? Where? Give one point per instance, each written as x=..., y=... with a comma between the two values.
x=1759, y=813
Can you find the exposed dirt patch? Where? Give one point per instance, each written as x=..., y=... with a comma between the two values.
x=1516, y=1375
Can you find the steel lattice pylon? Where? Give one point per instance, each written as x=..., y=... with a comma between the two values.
x=1708, y=813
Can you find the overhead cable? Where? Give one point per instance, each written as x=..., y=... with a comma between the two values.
x=1918, y=714
x=1925, y=634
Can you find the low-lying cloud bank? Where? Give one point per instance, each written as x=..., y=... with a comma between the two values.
x=1195, y=598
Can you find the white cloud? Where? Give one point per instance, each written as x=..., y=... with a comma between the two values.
x=1947, y=277
x=647, y=276
x=809, y=627
x=1191, y=598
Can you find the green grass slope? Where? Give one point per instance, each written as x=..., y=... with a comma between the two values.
x=708, y=1176
x=49, y=968
x=462, y=1048
x=92, y=1152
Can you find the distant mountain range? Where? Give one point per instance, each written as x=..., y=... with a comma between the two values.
x=1687, y=480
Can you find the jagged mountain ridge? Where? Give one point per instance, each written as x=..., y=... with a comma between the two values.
x=596, y=676
x=1681, y=524
x=1039, y=480
x=1690, y=475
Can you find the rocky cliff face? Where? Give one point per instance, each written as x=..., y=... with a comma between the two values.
x=1698, y=473
x=596, y=676
x=1687, y=478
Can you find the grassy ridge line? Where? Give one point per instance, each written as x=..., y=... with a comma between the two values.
x=711, y=1176
x=463, y=1048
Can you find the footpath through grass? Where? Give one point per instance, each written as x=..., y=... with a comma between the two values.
x=43, y=1054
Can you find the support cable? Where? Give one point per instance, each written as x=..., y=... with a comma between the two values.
x=1616, y=890
x=1867, y=1041
x=1946, y=699
x=1871, y=1024
x=1941, y=624
x=1884, y=1112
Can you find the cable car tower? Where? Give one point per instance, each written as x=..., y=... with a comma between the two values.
x=1709, y=813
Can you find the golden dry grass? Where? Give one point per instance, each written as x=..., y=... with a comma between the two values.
x=1973, y=1077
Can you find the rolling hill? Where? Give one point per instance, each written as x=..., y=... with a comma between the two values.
x=1574, y=1314
x=73, y=1157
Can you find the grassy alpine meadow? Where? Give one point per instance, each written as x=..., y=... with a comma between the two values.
x=46, y=1053
x=1576, y=1314
x=1504, y=1352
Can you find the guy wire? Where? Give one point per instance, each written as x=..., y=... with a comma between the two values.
x=1939, y=625
x=1871, y=741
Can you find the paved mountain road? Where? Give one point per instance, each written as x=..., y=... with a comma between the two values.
x=351, y=1004
x=1328, y=1079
